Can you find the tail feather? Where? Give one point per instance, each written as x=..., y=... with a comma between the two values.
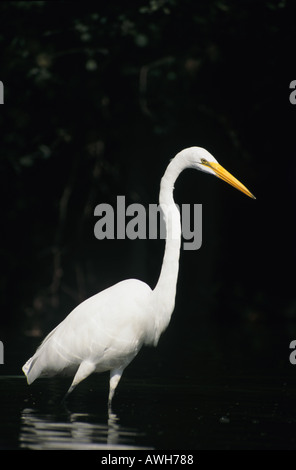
x=28, y=370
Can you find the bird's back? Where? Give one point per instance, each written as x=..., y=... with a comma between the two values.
x=108, y=329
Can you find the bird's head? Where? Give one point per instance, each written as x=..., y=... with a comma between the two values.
x=202, y=160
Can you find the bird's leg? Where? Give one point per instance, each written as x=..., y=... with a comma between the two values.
x=115, y=376
x=68, y=393
x=84, y=370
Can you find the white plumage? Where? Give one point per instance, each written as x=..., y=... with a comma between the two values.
x=106, y=331
x=91, y=336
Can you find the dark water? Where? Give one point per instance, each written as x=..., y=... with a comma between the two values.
x=240, y=394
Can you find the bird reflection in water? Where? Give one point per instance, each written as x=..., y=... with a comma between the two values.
x=77, y=431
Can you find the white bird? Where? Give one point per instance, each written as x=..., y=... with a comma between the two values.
x=106, y=331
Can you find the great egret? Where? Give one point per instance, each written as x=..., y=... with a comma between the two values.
x=106, y=331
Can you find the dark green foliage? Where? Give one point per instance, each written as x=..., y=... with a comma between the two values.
x=98, y=97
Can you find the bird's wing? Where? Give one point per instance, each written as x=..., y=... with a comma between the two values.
x=107, y=329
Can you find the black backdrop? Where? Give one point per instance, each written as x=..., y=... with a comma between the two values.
x=97, y=99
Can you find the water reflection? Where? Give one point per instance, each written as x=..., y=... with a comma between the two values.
x=77, y=431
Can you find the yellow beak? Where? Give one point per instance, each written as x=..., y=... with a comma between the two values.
x=226, y=176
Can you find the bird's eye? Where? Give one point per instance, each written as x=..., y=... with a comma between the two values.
x=204, y=161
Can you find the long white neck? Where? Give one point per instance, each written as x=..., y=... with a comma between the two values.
x=165, y=290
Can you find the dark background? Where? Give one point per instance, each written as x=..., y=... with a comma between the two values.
x=98, y=98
